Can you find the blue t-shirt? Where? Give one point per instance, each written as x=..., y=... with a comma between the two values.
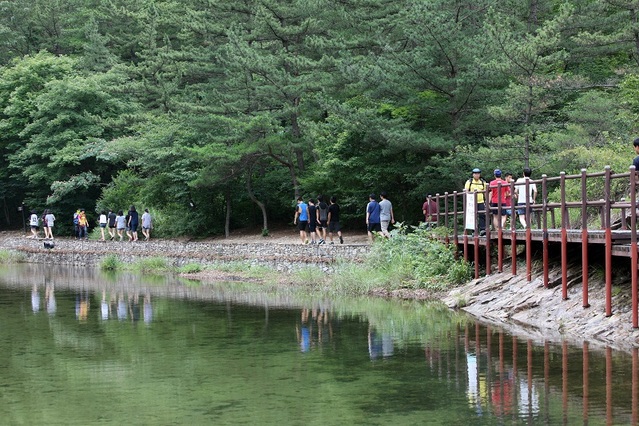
x=373, y=210
x=303, y=213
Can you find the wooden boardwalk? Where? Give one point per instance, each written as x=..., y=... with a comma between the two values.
x=594, y=217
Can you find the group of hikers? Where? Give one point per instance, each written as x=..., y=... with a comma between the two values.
x=500, y=197
x=315, y=217
x=116, y=224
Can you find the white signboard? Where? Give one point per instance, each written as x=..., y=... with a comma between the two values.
x=469, y=211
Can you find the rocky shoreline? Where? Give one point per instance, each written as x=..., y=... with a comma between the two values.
x=530, y=310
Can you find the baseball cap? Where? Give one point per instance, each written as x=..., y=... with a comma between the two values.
x=497, y=172
x=476, y=170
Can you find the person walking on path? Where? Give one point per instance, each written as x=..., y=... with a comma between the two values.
x=133, y=224
x=386, y=215
x=322, y=219
x=120, y=223
x=146, y=225
x=50, y=219
x=83, y=225
x=103, y=221
x=312, y=220
x=111, y=219
x=333, y=220
x=301, y=219
x=34, y=224
x=373, y=223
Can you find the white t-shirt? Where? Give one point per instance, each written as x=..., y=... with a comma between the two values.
x=103, y=219
x=520, y=187
x=33, y=220
x=50, y=218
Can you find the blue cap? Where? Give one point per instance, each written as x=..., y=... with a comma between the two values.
x=497, y=172
x=476, y=170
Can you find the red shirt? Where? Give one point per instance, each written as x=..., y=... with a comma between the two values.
x=497, y=193
x=431, y=211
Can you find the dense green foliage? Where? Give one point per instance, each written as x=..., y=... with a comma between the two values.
x=216, y=114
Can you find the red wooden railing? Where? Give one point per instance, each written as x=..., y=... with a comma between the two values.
x=542, y=226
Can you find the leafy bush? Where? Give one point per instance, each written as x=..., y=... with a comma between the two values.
x=110, y=263
x=414, y=257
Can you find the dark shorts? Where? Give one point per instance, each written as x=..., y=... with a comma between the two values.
x=334, y=227
x=494, y=209
x=103, y=225
x=322, y=224
x=521, y=209
x=302, y=224
x=133, y=227
x=35, y=227
x=374, y=227
x=312, y=225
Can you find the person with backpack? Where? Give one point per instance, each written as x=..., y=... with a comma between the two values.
x=477, y=184
x=76, y=228
x=373, y=222
x=322, y=219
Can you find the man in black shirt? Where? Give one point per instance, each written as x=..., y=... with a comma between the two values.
x=333, y=220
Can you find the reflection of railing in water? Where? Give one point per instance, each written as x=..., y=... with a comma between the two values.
x=620, y=241
x=540, y=384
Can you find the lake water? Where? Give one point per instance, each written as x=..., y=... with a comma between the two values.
x=82, y=347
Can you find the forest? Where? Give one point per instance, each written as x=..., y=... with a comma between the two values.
x=217, y=114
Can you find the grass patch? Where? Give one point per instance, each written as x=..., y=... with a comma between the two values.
x=151, y=265
x=190, y=268
x=8, y=256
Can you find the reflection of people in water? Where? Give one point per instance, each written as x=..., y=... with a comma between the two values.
x=35, y=299
x=49, y=298
x=148, y=308
x=82, y=306
x=379, y=345
x=122, y=308
x=303, y=332
x=134, y=307
x=104, y=307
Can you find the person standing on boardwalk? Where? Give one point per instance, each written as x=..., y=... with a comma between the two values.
x=386, y=215
x=322, y=218
x=522, y=196
x=635, y=162
x=146, y=225
x=430, y=211
x=499, y=193
x=476, y=183
x=301, y=219
x=373, y=223
x=333, y=220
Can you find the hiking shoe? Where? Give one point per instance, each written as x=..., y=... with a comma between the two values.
x=321, y=242
x=341, y=240
x=332, y=243
x=313, y=242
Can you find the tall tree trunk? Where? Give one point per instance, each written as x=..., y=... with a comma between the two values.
x=253, y=198
x=227, y=219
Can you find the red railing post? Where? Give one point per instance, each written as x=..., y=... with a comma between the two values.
x=500, y=241
x=633, y=243
x=513, y=230
x=584, y=239
x=528, y=233
x=455, y=233
x=476, y=238
x=544, y=236
x=608, y=235
x=564, y=237
x=488, y=221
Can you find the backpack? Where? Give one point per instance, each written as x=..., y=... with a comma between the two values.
x=323, y=209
